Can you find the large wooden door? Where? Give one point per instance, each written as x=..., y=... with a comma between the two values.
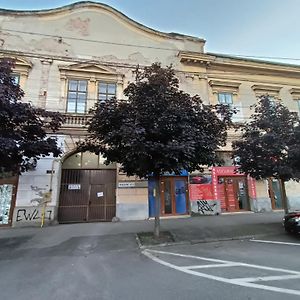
x=87, y=195
x=174, y=195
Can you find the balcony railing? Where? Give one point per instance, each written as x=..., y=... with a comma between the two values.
x=73, y=120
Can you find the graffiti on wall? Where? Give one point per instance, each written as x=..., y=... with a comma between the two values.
x=205, y=207
x=32, y=214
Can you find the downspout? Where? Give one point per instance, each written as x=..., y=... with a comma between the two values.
x=48, y=195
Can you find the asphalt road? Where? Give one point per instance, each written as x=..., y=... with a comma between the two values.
x=113, y=267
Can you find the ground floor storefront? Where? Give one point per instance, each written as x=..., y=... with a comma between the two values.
x=79, y=187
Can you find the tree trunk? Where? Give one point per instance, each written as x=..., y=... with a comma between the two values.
x=283, y=195
x=157, y=208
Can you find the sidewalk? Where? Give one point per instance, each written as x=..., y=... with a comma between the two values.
x=193, y=229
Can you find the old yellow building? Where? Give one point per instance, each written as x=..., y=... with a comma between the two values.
x=69, y=58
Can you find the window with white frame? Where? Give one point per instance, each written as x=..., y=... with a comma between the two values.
x=77, y=96
x=225, y=98
x=106, y=91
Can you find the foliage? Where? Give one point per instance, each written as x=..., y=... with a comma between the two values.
x=22, y=127
x=159, y=128
x=266, y=142
x=294, y=153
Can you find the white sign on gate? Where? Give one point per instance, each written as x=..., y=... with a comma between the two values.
x=74, y=186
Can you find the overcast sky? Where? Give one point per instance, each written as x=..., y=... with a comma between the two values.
x=265, y=28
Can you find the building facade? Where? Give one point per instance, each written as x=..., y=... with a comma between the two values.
x=69, y=58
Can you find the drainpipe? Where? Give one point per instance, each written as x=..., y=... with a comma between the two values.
x=47, y=195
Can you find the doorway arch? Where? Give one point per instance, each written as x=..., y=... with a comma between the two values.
x=88, y=189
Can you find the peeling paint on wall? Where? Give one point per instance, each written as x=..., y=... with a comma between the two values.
x=79, y=26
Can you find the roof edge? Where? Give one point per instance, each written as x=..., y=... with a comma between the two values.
x=254, y=60
x=85, y=4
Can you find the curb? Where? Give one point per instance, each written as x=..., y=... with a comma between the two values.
x=200, y=241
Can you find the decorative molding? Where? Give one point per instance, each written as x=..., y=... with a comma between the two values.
x=219, y=86
x=195, y=59
x=90, y=71
x=93, y=68
x=22, y=66
x=225, y=61
x=295, y=92
x=262, y=89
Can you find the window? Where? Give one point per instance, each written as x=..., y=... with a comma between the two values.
x=16, y=78
x=77, y=96
x=225, y=98
x=106, y=91
x=272, y=101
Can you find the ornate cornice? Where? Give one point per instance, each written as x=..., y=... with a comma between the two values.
x=218, y=60
x=91, y=71
x=263, y=89
x=295, y=92
x=224, y=86
x=22, y=66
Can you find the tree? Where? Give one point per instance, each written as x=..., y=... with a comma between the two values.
x=265, y=146
x=158, y=129
x=23, y=137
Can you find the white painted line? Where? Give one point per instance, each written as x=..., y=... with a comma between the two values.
x=268, y=278
x=234, y=281
x=211, y=266
x=190, y=256
x=227, y=262
x=275, y=242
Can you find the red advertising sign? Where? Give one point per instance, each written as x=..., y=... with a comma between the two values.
x=201, y=192
x=226, y=171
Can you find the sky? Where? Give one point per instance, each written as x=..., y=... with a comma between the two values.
x=253, y=28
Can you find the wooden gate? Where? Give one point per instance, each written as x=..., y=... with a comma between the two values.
x=87, y=195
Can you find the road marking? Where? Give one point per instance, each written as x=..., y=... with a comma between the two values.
x=269, y=278
x=275, y=242
x=245, y=282
x=211, y=266
x=225, y=262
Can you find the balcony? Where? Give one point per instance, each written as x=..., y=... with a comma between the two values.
x=77, y=121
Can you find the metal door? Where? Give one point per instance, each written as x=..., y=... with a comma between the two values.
x=87, y=195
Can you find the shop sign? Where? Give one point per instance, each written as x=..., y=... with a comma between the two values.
x=126, y=184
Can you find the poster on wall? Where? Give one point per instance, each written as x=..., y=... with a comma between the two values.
x=200, y=188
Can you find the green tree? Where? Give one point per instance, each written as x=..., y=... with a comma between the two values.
x=23, y=137
x=158, y=129
x=265, y=146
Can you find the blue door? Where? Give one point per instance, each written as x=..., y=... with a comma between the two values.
x=173, y=196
